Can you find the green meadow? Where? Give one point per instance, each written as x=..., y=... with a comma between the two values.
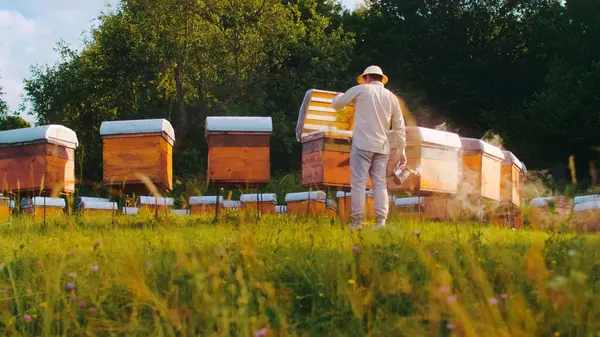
x=287, y=276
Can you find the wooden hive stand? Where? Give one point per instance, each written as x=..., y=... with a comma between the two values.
x=479, y=188
x=409, y=208
x=238, y=152
x=265, y=203
x=205, y=205
x=38, y=161
x=326, y=136
x=306, y=203
x=138, y=151
x=511, y=197
x=546, y=212
x=435, y=156
x=344, y=202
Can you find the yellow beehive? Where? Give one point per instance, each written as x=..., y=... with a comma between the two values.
x=40, y=207
x=38, y=160
x=435, y=156
x=239, y=150
x=344, y=201
x=136, y=150
x=206, y=205
x=481, y=166
x=511, y=185
x=5, y=209
x=306, y=203
x=266, y=202
x=325, y=135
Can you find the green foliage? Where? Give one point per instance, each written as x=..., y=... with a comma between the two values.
x=88, y=275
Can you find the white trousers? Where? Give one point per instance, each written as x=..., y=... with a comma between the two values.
x=362, y=165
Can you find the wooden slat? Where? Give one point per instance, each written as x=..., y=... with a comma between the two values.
x=238, y=140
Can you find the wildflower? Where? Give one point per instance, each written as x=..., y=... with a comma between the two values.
x=428, y=253
x=27, y=318
x=72, y=275
x=71, y=286
x=451, y=299
x=261, y=333
x=81, y=305
x=493, y=301
x=556, y=333
x=351, y=282
x=72, y=250
x=436, y=252
x=73, y=297
x=571, y=252
x=95, y=268
x=451, y=326
x=321, y=295
x=417, y=232
x=44, y=305
x=504, y=296
x=37, y=262
x=93, y=310
x=28, y=291
x=177, y=266
x=444, y=289
x=356, y=249
x=149, y=263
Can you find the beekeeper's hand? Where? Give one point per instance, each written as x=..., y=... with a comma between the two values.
x=400, y=155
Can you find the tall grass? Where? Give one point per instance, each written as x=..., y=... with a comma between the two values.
x=286, y=276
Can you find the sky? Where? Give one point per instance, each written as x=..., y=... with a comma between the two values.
x=29, y=30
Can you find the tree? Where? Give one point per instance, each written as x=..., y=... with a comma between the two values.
x=9, y=122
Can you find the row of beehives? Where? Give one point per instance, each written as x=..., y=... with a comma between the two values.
x=581, y=212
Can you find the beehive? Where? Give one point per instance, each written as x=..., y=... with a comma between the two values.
x=435, y=155
x=325, y=135
x=266, y=202
x=136, y=150
x=5, y=209
x=549, y=212
x=331, y=208
x=38, y=159
x=281, y=209
x=181, y=212
x=40, y=207
x=306, y=203
x=510, y=187
x=154, y=204
x=344, y=200
x=97, y=206
x=582, y=199
x=443, y=207
x=239, y=150
x=232, y=204
x=481, y=166
x=130, y=210
x=205, y=205
x=587, y=214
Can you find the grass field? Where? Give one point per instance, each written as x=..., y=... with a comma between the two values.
x=290, y=276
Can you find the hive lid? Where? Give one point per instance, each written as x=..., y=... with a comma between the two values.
x=81, y=200
x=130, y=210
x=316, y=114
x=239, y=124
x=303, y=196
x=54, y=134
x=511, y=159
x=143, y=200
x=407, y=201
x=586, y=206
x=205, y=200
x=586, y=198
x=342, y=194
x=41, y=201
x=98, y=205
x=418, y=135
x=474, y=146
x=231, y=203
x=560, y=201
x=160, y=125
x=266, y=197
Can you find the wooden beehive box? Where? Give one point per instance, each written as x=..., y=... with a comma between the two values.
x=481, y=166
x=130, y=210
x=582, y=199
x=154, y=204
x=325, y=135
x=239, y=150
x=266, y=202
x=511, y=172
x=435, y=155
x=549, y=212
x=281, y=209
x=136, y=150
x=38, y=160
x=205, y=205
x=332, y=208
x=5, y=209
x=586, y=216
x=306, y=203
x=181, y=212
x=97, y=206
x=39, y=207
x=442, y=207
x=344, y=201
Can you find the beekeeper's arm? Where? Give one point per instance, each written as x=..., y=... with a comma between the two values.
x=341, y=100
x=398, y=132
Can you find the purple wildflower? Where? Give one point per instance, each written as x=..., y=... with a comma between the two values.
x=493, y=301
x=27, y=318
x=451, y=326
x=356, y=249
x=261, y=333
x=70, y=286
x=444, y=289
x=81, y=305
x=452, y=299
x=417, y=232
x=504, y=296
x=95, y=268
x=72, y=275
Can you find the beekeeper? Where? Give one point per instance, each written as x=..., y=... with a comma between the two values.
x=379, y=129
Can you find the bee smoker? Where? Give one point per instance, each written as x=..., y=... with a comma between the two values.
x=401, y=172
